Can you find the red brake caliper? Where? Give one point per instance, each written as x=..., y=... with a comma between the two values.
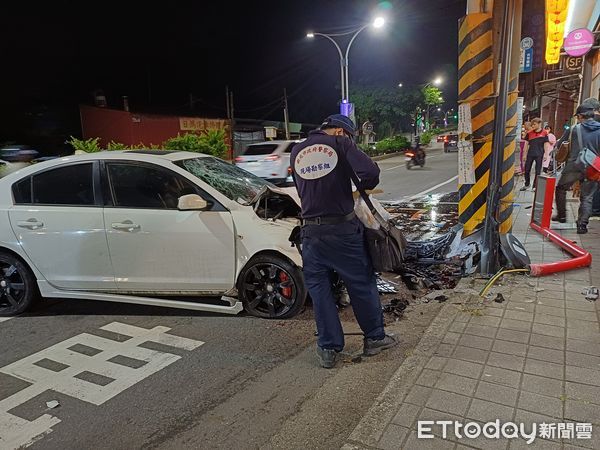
x=286, y=291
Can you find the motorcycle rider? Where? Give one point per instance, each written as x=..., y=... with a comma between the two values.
x=419, y=153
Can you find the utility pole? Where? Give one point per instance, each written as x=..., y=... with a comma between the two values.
x=149, y=85
x=227, y=102
x=286, y=115
x=232, y=124
x=490, y=245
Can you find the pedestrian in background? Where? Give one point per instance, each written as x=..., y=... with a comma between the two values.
x=586, y=134
x=333, y=237
x=535, y=141
x=524, y=131
x=549, y=150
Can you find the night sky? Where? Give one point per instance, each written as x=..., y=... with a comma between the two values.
x=56, y=53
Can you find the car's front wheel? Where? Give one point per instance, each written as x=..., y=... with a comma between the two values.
x=272, y=287
x=17, y=285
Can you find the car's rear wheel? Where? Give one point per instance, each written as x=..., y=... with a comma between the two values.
x=17, y=285
x=272, y=287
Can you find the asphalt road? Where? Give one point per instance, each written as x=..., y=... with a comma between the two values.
x=439, y=175
x=128, y=377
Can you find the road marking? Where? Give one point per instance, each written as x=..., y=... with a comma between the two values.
x=395, y=167
x=434, y=187
x=84, y=353
x=4, y=319
x=402, y=165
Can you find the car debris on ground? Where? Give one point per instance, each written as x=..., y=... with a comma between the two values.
x=591, y=293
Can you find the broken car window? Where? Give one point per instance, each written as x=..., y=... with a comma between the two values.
x=231, y=181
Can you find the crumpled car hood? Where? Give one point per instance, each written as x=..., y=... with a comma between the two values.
x=289, y=191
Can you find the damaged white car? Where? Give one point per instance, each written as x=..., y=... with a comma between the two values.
x=149, y=227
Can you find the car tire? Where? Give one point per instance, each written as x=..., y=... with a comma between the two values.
x=271, y=287
x=18, y=287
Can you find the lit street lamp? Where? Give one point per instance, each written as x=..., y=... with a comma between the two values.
x=377, y=23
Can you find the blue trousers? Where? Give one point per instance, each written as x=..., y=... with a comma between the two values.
x=346, y=254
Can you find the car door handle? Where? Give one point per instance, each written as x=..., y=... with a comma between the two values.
x=126, y=225
x=31, y=224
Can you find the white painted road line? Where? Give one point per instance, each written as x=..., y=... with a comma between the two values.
x=433, y=188
x=98, y=358
x=395, y=167
x=402, y=165
x=4, y=319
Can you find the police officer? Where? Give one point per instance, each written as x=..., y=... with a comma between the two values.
x=333, y=237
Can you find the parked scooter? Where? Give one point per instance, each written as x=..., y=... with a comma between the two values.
x=415, y=157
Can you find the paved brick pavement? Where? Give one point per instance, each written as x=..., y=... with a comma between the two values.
x=534, y=358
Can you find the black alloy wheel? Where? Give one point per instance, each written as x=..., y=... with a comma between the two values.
x=271, y=287
x=17, y=285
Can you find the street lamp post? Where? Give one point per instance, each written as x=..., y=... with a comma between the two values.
x=344, y=56
x=446, y=116
x=339, y=50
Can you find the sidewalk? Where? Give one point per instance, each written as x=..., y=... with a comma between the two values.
x=533, y=358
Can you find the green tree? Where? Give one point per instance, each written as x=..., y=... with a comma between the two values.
x=214, y=143
x=211, y=143
x=112, y=145
x=432, y=96
x=390, y=108
x=85, y=145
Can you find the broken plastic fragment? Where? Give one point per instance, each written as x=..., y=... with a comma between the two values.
x=53, y=404
x=385, y=287
x=499, y=298
x=591, y=293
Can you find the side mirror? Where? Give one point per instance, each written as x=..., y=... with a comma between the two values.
x=191, y=202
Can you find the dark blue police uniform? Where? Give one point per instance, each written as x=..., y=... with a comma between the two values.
x=332, y=236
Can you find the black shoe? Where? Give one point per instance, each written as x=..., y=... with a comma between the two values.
x=559, y=219
x=327, y=357
x=524, y=188
x=373, y=347
x=582, y=229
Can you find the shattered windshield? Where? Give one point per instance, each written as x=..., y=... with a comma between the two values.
x=231, y=181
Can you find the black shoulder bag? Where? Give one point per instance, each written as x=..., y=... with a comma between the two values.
x=387, y=244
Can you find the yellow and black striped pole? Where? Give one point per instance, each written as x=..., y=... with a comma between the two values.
x=498, y=216
x=505, y=212
x=476, y=89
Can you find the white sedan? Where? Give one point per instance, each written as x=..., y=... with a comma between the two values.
x=149, y=227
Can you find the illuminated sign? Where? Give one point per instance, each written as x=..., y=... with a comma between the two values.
x=556, y=17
